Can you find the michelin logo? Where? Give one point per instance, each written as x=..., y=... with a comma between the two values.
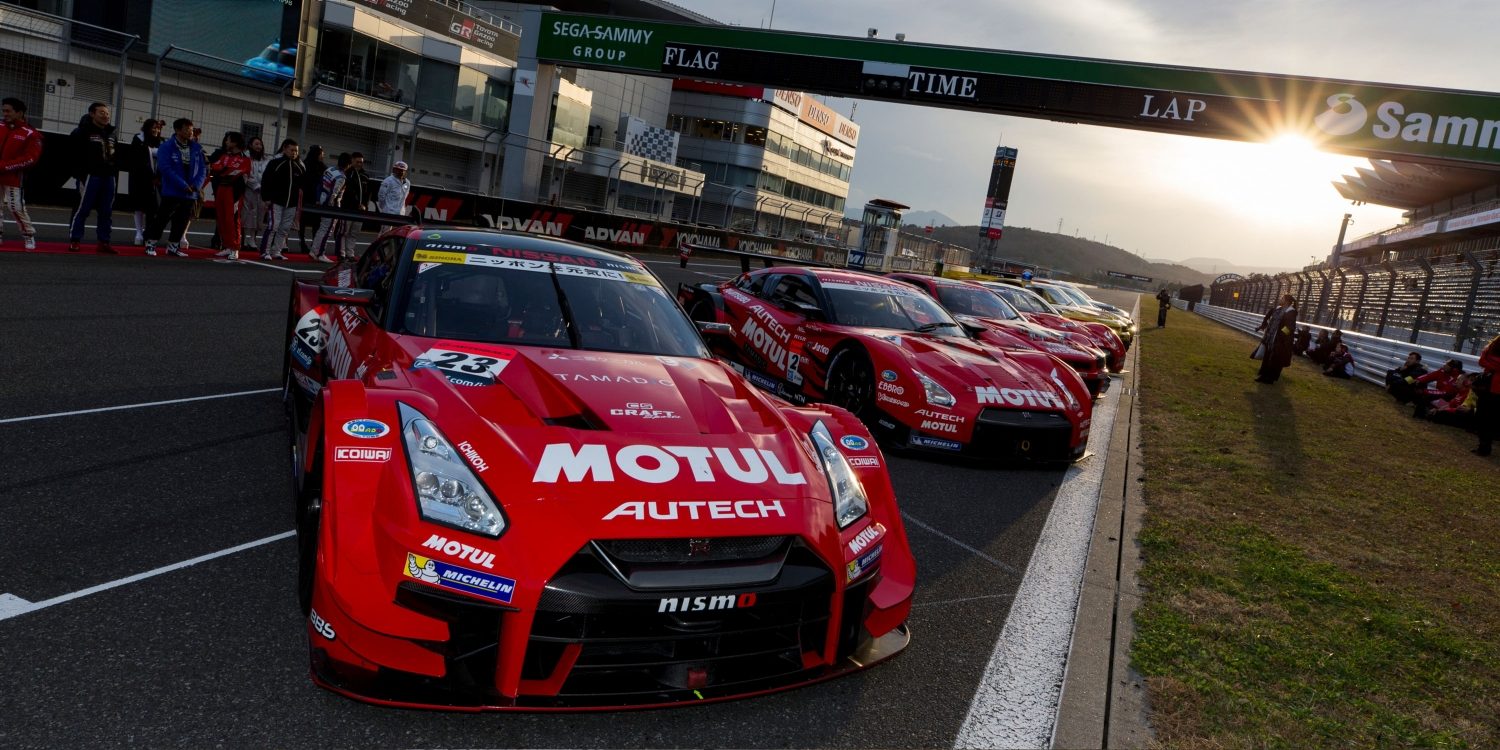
x=448, y=576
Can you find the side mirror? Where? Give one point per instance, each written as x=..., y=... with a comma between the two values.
x=972, y=326
x=806, y=310
x=712, y=330
x=345, y=295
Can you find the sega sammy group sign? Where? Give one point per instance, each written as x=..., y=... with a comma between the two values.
x=1376, y=120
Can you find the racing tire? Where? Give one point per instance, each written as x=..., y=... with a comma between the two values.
x=702, y=310
x=851, y=382
x=309, y=496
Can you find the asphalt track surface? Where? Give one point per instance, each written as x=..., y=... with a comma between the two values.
x=214, y=654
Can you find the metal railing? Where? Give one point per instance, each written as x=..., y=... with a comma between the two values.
x=210, y=66
x=1373, y=355
x=43, y=36
x=1450, y=302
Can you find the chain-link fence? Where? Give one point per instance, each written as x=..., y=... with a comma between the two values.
x=1449, y=302
x=30, y=39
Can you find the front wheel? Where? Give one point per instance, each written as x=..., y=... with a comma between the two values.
x=851, y=382
x=309, y=493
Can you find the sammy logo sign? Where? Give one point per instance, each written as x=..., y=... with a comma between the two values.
x=1404, y=122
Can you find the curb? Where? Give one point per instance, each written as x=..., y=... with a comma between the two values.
x=1103, y=701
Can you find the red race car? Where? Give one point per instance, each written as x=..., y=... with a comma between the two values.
x=893, y=356
x=523, y=482
x=1038, y=310
x=992, y=320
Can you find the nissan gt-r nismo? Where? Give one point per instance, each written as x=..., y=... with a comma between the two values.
x=522, y=482
x=1038, y=310
x=889, y=353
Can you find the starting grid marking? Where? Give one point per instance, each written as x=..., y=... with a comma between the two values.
x=54, y=415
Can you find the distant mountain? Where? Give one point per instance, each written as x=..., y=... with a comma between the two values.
x=1075, y=256
x=1217, y=266
x=927, y=218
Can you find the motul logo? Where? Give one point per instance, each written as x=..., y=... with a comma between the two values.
x=661, y=464
x=460, y=550
x=864, y=538
x=705, y=603
x=1017, y=397
x=368, y=455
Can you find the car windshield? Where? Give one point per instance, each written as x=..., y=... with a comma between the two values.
x=1070, y=296
x=981, y=303
x=1022, y=300
x=881, y=304
x=612, y=306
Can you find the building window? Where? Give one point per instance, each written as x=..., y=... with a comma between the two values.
x=465, y=100
x=755, y=136
x=439, y=81
x=495, y=105
x=394, y=76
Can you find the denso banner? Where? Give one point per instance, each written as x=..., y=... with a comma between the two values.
x=1365, y=119
x=601, y=229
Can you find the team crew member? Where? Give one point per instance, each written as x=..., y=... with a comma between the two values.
x=393, y=190
x=230, y=171
x=21, y=148
x=145, y=187
x=94, y=148
x=1163, y=301
x=355, y=197
x=281, y=188
x=254, y=214
x=330, y=192
x=180, y=164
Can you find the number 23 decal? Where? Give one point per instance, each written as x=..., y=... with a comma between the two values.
x=466, y=368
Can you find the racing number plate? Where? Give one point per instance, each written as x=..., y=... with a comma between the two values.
x=474, y=367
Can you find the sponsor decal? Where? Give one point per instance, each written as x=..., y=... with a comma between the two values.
x=368, y=429
x=467, y=366
x=854, y=442
x=644, y=411
x=453, y=548
x=886, y=424
x=818, y=348
x=922, y=441
x=768, y=337
x=880, y=287
x=888, y=376
x=881, y=396
x=338, y=360
x=624, y=379
x=308, y=384
x=864, y=462
x=457, y=578
x=695, y=510
x=1346, y=115
x=895, y=390
x=946, y=417
x=311, y=330
x=989, y=394
x=933, y=425
x=320, y=625
x=655, y=464
x=478, y=461
x=866, y=537
x=705, y=603
x=362, y=455
x=859, y=567
x=760, y=380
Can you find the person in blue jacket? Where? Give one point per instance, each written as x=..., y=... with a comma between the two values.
x=180, y=163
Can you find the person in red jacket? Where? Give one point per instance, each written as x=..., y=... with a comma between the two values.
x=1439, y=384
x=230, y=173
x=20, y=149
x=1487, y=385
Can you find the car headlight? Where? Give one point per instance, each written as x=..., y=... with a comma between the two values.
x=447, y=491
x=849, y=501
x=1067, y=394
x=936, y=394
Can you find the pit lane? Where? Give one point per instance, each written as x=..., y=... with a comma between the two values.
x=215, y=655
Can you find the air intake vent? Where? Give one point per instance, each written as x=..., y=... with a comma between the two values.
x=716, y=549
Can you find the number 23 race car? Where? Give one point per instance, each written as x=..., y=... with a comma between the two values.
x=522, y=482
x=889, y=353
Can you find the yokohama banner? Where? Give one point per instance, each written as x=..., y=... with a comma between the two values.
x=997, y=197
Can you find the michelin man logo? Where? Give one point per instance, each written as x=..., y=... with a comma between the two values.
x=1345, y=115
x=427, y=572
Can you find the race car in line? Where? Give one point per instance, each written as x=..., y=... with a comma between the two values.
x=1038, y=310
x=1063, y=304
x=891, y=355
x=522, y=482
x=993, y=321
x=1101, y=304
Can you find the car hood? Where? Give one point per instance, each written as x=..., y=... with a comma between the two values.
x=1065, y=344
x=962, y=365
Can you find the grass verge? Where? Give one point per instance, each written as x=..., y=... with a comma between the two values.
x=1321, y=570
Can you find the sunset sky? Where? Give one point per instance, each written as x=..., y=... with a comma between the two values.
x=1158, y=196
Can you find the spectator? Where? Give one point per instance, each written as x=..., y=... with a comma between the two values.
x=393, y=190
x=1487, y=386
x=1340, y=363
x=330, y=193
x=20, y=149
x=1458, y=409
x=1436, y=385
x=1276, y=344
x=1301, y=341
x=145, y=186
x=230, y=171
x=93, y=146
x=1398, y=382
x=312, y=175
x=1321, y=349
x=1163, y=301
x=355, y=198
x=182, y=170
x=255, y=208
x=281, y=189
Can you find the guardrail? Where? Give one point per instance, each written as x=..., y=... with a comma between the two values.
x=1373, y=356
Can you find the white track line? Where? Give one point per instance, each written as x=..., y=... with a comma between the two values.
x=280, y=268
x=973, y=551
x=1015, y=703
x=12, y=420
x=12, y=606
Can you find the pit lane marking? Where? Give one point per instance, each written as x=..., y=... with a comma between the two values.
x=1011, y=569
x=12, y=420
x=279, y=268
x=13, y=606
x=940, y=602
x=1015, y=703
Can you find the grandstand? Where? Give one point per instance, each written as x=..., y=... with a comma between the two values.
x=1433, y=280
